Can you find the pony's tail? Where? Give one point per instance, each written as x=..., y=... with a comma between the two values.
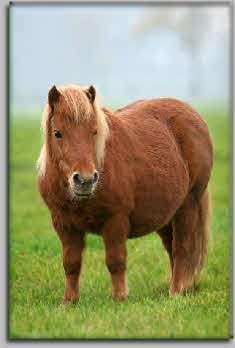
x=203, y=232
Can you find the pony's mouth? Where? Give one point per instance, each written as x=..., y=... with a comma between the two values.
x=79, y=194
x=84, y=194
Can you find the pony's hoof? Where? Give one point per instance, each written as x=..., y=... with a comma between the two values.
x=70, y=300
x=119, y=297
x=175, y=290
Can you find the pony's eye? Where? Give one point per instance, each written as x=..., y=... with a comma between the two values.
x=94, y=132
x=57, y=133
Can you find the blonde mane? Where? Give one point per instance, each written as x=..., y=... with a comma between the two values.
x=80, y=108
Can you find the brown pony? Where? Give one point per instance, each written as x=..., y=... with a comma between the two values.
x=124, y=174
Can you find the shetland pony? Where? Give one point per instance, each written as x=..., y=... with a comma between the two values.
x=124, y=174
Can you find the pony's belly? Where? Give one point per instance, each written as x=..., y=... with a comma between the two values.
x=158, y=198
x=141, y=230
x=153, y=210
x=142, y=224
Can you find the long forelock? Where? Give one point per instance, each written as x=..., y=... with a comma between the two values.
x=80, y=109
x=76, y=102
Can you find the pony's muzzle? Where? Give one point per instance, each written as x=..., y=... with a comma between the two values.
x=85, y=181
x=84, y=185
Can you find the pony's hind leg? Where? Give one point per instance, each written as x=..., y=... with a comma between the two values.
x=166, y=234
x=190, y=238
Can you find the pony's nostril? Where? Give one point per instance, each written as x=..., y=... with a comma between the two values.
x=95, y=177
x=85, y=182
x=77, y=179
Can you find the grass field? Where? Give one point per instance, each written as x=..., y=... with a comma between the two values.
x=36, y=280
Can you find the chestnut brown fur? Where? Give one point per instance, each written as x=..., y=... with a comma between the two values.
x=154, y=163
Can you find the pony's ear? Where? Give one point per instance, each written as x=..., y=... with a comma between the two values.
x=91, y=93
x=53, y=96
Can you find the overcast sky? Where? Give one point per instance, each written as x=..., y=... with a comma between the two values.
x=113, y=48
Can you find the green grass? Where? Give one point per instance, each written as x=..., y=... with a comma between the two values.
x=36, y=274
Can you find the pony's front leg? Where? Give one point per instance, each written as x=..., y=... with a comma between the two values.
x=115, y=232
x=72, y=246
x=72, y=260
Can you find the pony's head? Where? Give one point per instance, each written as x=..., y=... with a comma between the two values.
x=75, y=131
